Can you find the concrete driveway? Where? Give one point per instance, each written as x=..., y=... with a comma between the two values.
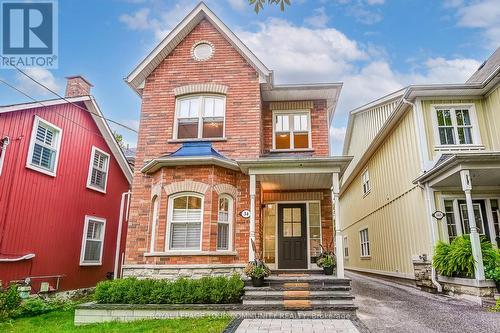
x=390, y=307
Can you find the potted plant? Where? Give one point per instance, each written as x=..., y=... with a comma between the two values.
x=327, y=259
x=256, y=270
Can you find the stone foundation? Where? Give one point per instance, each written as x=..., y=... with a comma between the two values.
x=172, y=272
x=423, y=275
x=469, y=289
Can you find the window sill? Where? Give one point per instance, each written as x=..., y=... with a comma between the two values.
x=365, y=257
x=301, y=150
x=458, y=147
x=190, y=253
x=97, y=189
x=366, y=194
x=90, y=264
x=41, y=170
x=197, y=140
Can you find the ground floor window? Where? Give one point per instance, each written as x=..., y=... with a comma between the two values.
x=495, y=212
x=450, y=219
x=365, y=243
x=93, y=241
x=346, y=248
x=269, y=233
x=314, y=230
x=186, y=217
x=224, y=223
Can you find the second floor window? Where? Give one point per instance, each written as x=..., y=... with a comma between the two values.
x=291, y=131
x=454, y=126
x=44, y=147
x=365, y=179
x=200, y=117
x=98, y=170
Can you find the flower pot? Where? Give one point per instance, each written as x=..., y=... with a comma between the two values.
x=328, y=270
x=257, y=282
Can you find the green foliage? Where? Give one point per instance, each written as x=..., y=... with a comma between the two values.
x=496, y=308
x=259, y=4
x=9, y=302
x=37, y=306
x=207, y=290
x=456, y=259
x=326, y=261
x=256, y=269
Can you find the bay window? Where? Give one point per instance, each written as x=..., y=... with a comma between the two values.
x=291, y=130
x=200, y=117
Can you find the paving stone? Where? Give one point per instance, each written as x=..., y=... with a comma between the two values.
x=296, y=326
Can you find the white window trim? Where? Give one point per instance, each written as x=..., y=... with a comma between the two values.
x=36, y=122
x=309, y=126
x=230, y=222
x=84, y=240
x=366, y=256
x=365, y=172
x=91, y=164
x=170, y=212
x=154, y=221
x=476, y=137
x=200, y=117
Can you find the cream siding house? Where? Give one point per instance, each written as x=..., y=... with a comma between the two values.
x=417, y=151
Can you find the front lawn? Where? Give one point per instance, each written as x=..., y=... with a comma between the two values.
x=62, y=321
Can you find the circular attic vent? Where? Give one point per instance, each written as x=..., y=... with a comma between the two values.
x=202, y=51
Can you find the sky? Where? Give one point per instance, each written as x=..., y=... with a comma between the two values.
x=374, y=47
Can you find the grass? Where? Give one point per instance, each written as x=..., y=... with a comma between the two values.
x=62, y=322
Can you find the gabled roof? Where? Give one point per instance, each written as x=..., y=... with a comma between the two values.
x=136, y=78
x=487, y=68
x=97, y=116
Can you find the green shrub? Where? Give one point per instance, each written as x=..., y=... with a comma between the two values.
x=456, y=259
x=496, y=308
x=9, y=302
x=37, y=306
x=207, y=290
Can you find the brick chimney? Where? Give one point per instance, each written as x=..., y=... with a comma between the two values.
x=77, y=86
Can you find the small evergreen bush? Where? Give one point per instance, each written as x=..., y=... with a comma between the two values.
x=456, y=259
x=207, y=290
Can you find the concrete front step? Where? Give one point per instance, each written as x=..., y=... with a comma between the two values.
x=309, y=297
x=296, y=293
x=297, y=287
x=335, y=308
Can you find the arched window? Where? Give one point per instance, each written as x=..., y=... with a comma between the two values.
x=224, y=223
x=154, y=222
x=185, y=220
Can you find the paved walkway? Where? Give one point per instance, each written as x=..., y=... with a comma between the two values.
x=389, y=307
x=296, y=326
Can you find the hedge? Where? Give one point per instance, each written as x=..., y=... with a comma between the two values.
x=207, y=290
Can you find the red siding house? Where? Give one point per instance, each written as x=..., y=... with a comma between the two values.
x=62, y=176
x=226, y=159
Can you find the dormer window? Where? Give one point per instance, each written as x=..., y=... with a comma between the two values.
x=291, y=130
x=200, y=117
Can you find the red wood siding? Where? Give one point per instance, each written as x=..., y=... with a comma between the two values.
x=45, y=215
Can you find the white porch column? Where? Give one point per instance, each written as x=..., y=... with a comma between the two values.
x=339, y=249
x=251, y=253
x=474, y=235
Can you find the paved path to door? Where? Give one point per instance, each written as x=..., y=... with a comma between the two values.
x=296, y=326
x=388, y=307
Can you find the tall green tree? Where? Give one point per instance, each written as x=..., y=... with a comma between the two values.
x=259, y=4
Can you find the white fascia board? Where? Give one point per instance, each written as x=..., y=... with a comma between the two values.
x=49, y=102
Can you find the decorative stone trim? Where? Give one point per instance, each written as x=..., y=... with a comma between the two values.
x=155, y=190
x=292, y=105
x=175, y=272
x=186, y=186
x=470, y=289
x=291, y=196
x=226, y=189
x=202, y=42
x=199, y=88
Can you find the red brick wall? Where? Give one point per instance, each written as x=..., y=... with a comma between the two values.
x=319, y=129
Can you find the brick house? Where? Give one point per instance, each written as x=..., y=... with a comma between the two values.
x=226, y=159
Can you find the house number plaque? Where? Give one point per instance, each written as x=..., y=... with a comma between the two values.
x=438, y=215
x=245, y=213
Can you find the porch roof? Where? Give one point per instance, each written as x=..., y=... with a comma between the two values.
x=484, y=168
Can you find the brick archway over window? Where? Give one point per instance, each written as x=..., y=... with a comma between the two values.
x=186, y=186
x=201, y=88
x=226, y=189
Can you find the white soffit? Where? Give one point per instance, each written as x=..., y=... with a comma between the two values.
x=136, y=78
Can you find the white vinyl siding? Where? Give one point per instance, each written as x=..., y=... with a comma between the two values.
x=364, y=242
x=365, y=181
x=186, y=217
x=98, y=170
x=224, y=223
x=93, y=241
x=44, y=147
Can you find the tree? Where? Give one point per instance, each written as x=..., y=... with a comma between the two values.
x=119, y=139
x=259, y=4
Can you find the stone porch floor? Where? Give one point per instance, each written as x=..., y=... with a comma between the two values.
x=296, y=326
